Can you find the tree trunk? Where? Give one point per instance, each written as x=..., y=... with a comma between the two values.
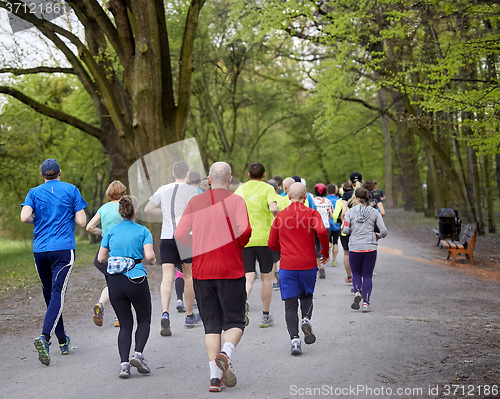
x=489, y=194
x=382, y=99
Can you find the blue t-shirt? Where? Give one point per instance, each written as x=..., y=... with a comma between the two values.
x=109, y=216
x=310, y=200
x=333, y=225
x=55, y=204
x=128, y=239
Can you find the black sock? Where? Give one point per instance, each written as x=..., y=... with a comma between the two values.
x=165, y=313
x=265, y=313
x=190, y=315
x=47, y=337
x=62, y=341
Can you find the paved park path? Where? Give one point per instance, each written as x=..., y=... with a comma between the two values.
x=431, y=325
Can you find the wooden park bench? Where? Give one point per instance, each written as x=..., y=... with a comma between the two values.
x=465, y=247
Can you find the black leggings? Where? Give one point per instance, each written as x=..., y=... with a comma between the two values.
x=123, y=293
x=292, y=312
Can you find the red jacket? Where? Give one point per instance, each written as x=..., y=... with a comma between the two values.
x=215, y=224
x=292, y=233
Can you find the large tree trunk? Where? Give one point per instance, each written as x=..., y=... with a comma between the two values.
x=490, y=204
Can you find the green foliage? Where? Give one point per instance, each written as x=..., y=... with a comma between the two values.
x=17, y=266
x=28, y=138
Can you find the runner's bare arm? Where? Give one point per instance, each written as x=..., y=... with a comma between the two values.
x=27, y=214
x=273, y=207
x=152, y=209
x=92, y=225
x=149, y=253
x=102, y=256
x=81, y=218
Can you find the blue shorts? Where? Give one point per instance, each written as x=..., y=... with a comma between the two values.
x=297, y=283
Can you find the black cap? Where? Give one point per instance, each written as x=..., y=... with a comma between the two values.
x=355, y=176
x=297, y=179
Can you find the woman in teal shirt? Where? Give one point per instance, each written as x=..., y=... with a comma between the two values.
x=107, y=215
x=131, y=240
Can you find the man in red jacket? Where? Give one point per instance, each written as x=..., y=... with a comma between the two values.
x=215, y=224
x=292, y=233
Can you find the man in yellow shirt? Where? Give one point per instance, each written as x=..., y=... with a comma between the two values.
x=261, y=205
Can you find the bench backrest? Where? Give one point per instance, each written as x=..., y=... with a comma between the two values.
x=469, y=237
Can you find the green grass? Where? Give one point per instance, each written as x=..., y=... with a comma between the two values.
x=17, y=266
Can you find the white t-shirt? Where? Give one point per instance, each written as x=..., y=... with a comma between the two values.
x=163, y=198
x=324, y=207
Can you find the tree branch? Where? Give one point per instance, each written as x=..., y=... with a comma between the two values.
x=186, y=67
x=40, y=69
x=94, y=10
x=52, y=113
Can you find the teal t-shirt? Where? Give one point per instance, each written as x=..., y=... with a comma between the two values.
x=128, y=239
x=109, y=216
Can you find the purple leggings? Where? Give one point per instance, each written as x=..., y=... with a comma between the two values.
x=362, y=265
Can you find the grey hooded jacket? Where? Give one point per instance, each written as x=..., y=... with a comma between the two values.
x=360, y=222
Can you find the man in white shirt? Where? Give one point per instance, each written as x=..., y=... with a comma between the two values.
x=169, y=201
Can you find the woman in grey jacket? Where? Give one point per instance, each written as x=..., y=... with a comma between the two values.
x=360, y=222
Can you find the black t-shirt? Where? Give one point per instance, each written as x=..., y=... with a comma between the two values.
x=347, y=196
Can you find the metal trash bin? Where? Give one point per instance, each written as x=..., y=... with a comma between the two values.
x=449, y=224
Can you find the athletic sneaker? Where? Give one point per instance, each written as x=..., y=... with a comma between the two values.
x=276, y=287
x=309, y=337
x=215, y=385
x=322, y=273
x=366, y=307
x=296, y=347
x=116, y=323
x=42, y=346
x=165, y=325
x=137, y=360
x=246, y=314
x=98, y=314
x=357, y=300
x=334, y=263
x=64, y=348
x=267, y=320
x=224, y=363
x=124, y=370
x=180, y=306
x=192, y=320
x=348, y=280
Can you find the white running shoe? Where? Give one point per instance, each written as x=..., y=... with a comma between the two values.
x=296, y=347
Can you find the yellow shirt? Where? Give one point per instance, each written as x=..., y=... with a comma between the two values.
x=258, y=195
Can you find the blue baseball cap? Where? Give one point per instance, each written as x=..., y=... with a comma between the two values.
x=50, y=168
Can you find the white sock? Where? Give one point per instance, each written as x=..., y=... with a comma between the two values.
x=215, y=371
x=228, y=349
x=138, y=354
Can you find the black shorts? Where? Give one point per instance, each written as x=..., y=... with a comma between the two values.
x=344, y=240
x=263, y=254
x=171, y=251
x=276, y=256
x=334, y=237
x=221, y=304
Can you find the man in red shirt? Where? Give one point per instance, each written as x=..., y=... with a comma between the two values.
x=292, y=233
x=215, y=224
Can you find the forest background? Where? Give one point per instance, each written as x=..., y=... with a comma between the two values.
x=405, y=92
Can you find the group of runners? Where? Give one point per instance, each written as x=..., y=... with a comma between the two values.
x=214, y=242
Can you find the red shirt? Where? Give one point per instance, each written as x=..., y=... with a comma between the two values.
x=292, y=233
x=218, y=222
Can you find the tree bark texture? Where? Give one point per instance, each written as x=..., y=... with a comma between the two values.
x=133, y=93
